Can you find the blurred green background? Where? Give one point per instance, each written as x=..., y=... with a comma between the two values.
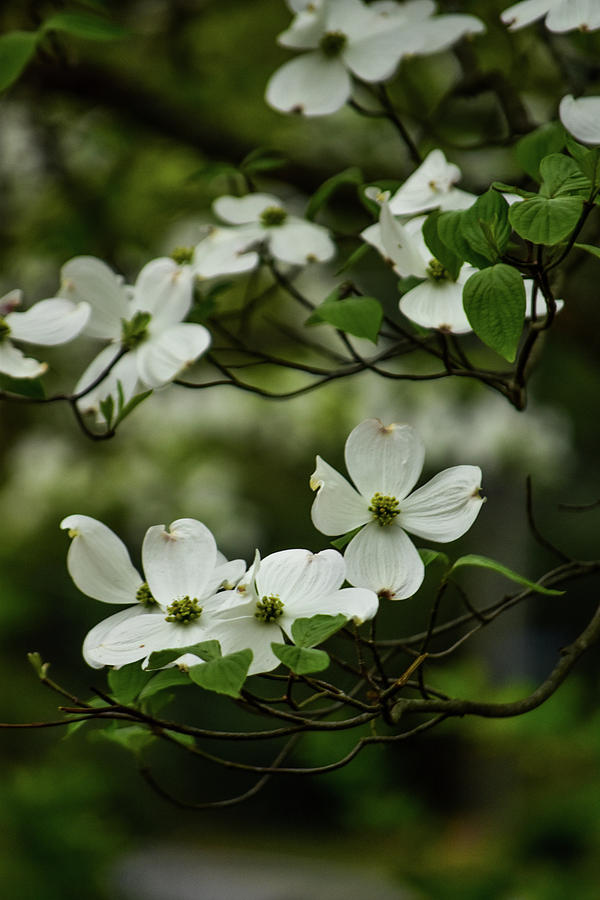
x=107, y=149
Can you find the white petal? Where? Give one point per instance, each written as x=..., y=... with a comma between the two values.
x=298, y=242
x=178, y=563
x=385, y=459
x=374, y=57
x=224, y=251
x=161, y=358
x=99, y=563
x=337, y=508
x=247, y=632
x=10, y=301
x=99, y=634
x=521, y=14
x=581, y=118
x=400, y=246
x=440, y=32
x=163, y=289
x=16, y=364
x=351, y=17
x=306, y=29
x=436, y=304
x=49, y=322
x=226, y=573
x=425, y=187
x=569, y=14
x=310, y=85
x=244, y=210
x=384, y=559
x=89, y=279
x=359, y=604
x=446, y=507
x=125, y=371
x=299, y=576
x=138, y=636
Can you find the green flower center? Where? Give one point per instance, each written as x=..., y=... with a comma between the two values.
x=332, y=43
x=273, y=215
x=135, y=331
x=4, y=328
x=437, y=272
x=182, y=255
x=144, y=595
x=269, y=609
x=184, y=610
x=384, y=508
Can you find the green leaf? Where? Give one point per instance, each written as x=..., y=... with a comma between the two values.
x=162, y=680
x=450, y=229
x=545, y=220
x=354, y=258
x=126, y=683
x=25, y=387
x=590, y=166
x=130, y=406
x=494, y=301
x=532, y=148
x=224, y=675
x=562, y=176
x=360, y=316
x=301, y=660
x=483, y=562
x=589, y=248
x=511, y=189
x=353, y=175
x=430, y=556
x=206, y=650
x=341, y=542
x=84, y=25
x=107, y=408
x=485, y=226
x=577, y=151
x=16, y=49
x=448, y=258
x=262, y=159
x=309, y=632
x=39, y=666
x=131, y=737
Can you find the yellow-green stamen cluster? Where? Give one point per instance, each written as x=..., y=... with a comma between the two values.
x=144, y=595
x=269, y=609
x=437, y=272
x=135, y=331
x=184, y=610
x=384, y=508
x=332, y=43
x=273, y=215
x=182, y=255
x=4, y=328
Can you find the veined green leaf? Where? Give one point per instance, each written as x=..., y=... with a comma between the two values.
x=544, y=220
x=206, y=650
x=494, y=301
x=301, y=660
x=224, y=675
x=360, y=316
x=313, y=631
x=483, y=562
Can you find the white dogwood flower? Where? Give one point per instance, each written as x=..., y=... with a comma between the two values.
x=346, y=38
x=262, y=219
x=224, y=251
x=437, y=301
x=581, y=118
x=384, y=462
x=279, y=589
x=431, y=186
x=100, y=566
x=146, y=320
x=48, y=322
x=561, y=15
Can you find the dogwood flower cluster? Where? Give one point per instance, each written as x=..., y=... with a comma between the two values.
x=48, y=323
x=560, y=15
x=146, y=320
x=190, y=594
x=187, y=596
x=258, y=222
x=347, y=39
x=384, y=462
